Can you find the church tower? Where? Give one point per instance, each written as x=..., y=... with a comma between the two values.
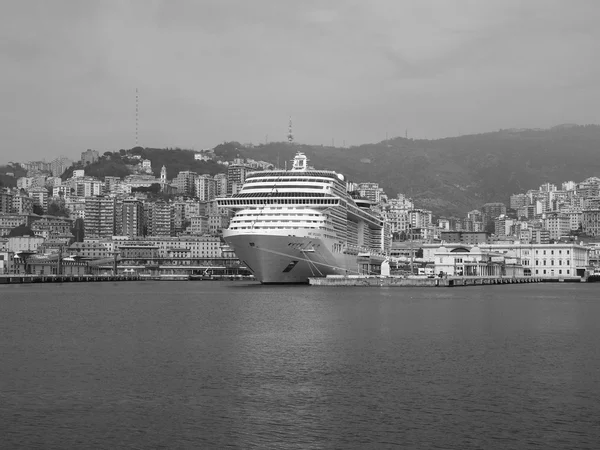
x=163, y=178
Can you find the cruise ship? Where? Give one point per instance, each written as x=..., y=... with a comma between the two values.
x=290, y=225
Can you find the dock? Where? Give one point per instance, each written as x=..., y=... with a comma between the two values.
x=22, y=279
x=26, y=279
x=452, y=281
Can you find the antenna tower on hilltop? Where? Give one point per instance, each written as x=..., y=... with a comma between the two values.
x=290, y=135
x=137, y=116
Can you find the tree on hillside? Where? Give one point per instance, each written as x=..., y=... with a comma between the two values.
x=37, y=209
x=178, y=160
x=228, y=150
x=58, y=208
x=68, y=173
x=154, y=188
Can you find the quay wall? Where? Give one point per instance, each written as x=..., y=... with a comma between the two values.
x=21, y=279
x=377, y=281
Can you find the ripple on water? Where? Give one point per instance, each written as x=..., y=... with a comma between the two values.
x=217, y=365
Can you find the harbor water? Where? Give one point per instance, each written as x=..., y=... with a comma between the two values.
x=240, y=365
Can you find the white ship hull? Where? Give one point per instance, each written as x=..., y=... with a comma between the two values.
x=274, y=258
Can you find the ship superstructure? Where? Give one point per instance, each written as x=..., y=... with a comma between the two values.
x=290, y=225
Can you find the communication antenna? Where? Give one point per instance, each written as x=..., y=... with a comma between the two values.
x=290, y=135
x=137, y=115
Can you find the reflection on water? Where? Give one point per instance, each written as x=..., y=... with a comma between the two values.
x=211, y=365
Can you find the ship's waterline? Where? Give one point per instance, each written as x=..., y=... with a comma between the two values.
x=290, y=259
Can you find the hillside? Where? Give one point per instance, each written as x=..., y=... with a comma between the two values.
x=455, y=175
x=116, y=163
x=448, y=176
x=8, y=180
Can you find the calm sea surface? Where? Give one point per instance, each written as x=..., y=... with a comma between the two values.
x=234, y=365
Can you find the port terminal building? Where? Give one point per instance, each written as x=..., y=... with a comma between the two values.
x=539, y=260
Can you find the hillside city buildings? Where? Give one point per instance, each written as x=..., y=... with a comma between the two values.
x=178, y=219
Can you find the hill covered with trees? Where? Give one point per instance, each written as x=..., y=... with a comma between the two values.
x=11, y=180
x=455, y=175
x=448, y=176
x=117, y=164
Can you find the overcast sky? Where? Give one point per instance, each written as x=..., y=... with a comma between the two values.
x=209, y=71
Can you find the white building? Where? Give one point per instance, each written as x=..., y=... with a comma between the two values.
x=557, y=224
x=40, y=197
x=24, y=182
x=92, y=188
x=542, y=260
x=147, y=165
x=199, y=225
x=476, y=262
x=419, y=218
x=24, y=243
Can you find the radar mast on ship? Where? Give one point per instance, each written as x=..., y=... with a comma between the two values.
x=300, y=163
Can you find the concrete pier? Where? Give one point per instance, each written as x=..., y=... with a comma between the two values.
x=378, y=281
x=21, y=279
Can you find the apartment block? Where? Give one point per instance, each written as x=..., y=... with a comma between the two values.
x=590, y=222
x=557, y=224
x=132, y=219
x=89, y=157
x=220, y=185
x=236, y=175
x=158, y=218
x=99, y=217
x=39, y=195
x=185, y=182
x=5, y=202
x=21, y=204
x=199, y=225
x=465, y=237
x=205, y=187
x=518, y=200
x=491, y=211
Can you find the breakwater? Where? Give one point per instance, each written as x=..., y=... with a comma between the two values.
x=378, y=281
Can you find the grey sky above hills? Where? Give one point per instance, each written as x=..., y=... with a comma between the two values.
x=209, y=71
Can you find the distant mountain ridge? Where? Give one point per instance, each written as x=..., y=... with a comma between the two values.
x=450, y=176
x=454, y=175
